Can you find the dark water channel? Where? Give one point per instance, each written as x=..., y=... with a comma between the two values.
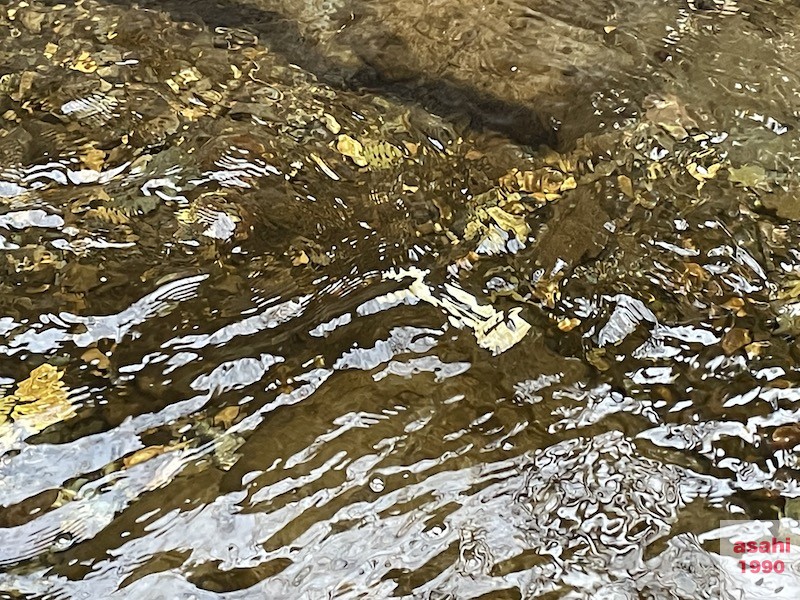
x=435, y=299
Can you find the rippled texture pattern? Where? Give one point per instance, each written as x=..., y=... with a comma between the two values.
x=345, y=299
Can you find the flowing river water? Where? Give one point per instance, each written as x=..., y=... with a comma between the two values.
x=441, y=299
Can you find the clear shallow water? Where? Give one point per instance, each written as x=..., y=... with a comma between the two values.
x=393, y=300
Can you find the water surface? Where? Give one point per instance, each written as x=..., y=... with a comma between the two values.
x=394, y=299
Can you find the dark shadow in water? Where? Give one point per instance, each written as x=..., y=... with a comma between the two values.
x=451, y=100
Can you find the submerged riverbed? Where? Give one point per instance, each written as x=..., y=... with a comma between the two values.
x=394, y=299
